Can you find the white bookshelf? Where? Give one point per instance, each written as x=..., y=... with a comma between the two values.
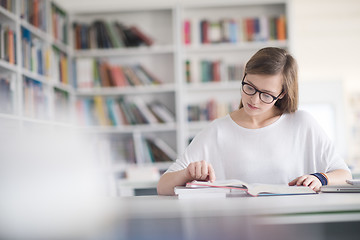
x=160, y=58
x=49, y=82
x=165, y=58
x=227, y=89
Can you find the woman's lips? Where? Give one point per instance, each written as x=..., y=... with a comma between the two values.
x=252, y=107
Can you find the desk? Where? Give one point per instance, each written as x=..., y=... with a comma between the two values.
x=320, y=216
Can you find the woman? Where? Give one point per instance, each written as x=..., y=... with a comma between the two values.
x=267, y=140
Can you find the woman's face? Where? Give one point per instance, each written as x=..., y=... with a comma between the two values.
x=269, y=84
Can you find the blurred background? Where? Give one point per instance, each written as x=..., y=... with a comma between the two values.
x=139, y=79
x=98, y=98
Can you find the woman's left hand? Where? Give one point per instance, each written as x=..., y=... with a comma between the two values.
x=307, y=180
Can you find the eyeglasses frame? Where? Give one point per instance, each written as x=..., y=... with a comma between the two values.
x=256, y=90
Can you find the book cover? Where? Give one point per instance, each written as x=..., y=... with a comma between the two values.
x=141, y=35
x=200, y=193
x=256, y=189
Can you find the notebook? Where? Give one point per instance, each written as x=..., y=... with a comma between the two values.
x=346, y=188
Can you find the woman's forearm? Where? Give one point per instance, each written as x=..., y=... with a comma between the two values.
x=338, y=177
x=169, y=180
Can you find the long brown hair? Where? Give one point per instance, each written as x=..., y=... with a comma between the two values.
x=271, y=61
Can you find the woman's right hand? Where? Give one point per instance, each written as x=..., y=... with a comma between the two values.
x=201, y=170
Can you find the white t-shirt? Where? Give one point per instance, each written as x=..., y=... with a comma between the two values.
x=292, y=146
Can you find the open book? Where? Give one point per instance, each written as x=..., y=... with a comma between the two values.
x=252, y=189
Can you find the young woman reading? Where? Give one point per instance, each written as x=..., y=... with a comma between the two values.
x=267, y=140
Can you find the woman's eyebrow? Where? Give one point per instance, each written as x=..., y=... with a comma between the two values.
x=267, y=91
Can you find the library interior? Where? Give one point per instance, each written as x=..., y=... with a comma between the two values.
x=99, y=98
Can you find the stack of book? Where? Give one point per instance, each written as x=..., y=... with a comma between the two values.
x=122, y=111
x=102, y=34
x=96, y=73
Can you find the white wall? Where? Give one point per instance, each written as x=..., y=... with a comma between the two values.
x=326, y=43
x=326, y=39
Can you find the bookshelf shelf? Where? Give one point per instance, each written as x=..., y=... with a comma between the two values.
x=37, y=77
x=118, y=52
x=130, y=90
x=226, y=47
x=139, y=128
x=61, y=46
x=5, y=13
x=213, y=86
x=62, y=86
x=8, y=66
x=36, y=31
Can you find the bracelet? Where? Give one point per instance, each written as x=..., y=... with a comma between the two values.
x=322, y=177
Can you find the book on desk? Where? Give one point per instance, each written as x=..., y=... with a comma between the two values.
x=223, y=188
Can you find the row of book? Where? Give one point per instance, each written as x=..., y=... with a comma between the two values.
x=226, y=30
x=144, y=149
x=213, y=71
x=8, y=5
x=62, y=111
x=6, y=94
x=35, y=100
x=103, y=34
x=35, y=53
x=97, y=73
x=122, y=111
x=7, y=44
x=209, y=110
x=59, y=66
x=59, y=23
x=34, y=12
x=43, y=59
x=155, y=149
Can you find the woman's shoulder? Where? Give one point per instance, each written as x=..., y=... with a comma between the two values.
x=302, y=118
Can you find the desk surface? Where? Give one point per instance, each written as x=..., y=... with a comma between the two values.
x=316, y=216
x=269, y=205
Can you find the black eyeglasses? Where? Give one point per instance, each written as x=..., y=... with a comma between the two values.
x=251, y=90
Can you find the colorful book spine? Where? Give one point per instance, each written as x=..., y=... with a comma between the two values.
x=59, y=23
x=34, y=12
x=35, y=102
x=62, y=107
x=35, y=54
x=209, y=110
x=214, y=71
x=7, y=44
x=187, y=32
x=101, y=34
x=97, y=73
x=122, y=111
x=249, y=29
x=6, y=94
x=8, y=5
x=60, y=70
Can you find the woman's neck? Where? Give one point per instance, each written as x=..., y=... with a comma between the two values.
x=258, y=121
